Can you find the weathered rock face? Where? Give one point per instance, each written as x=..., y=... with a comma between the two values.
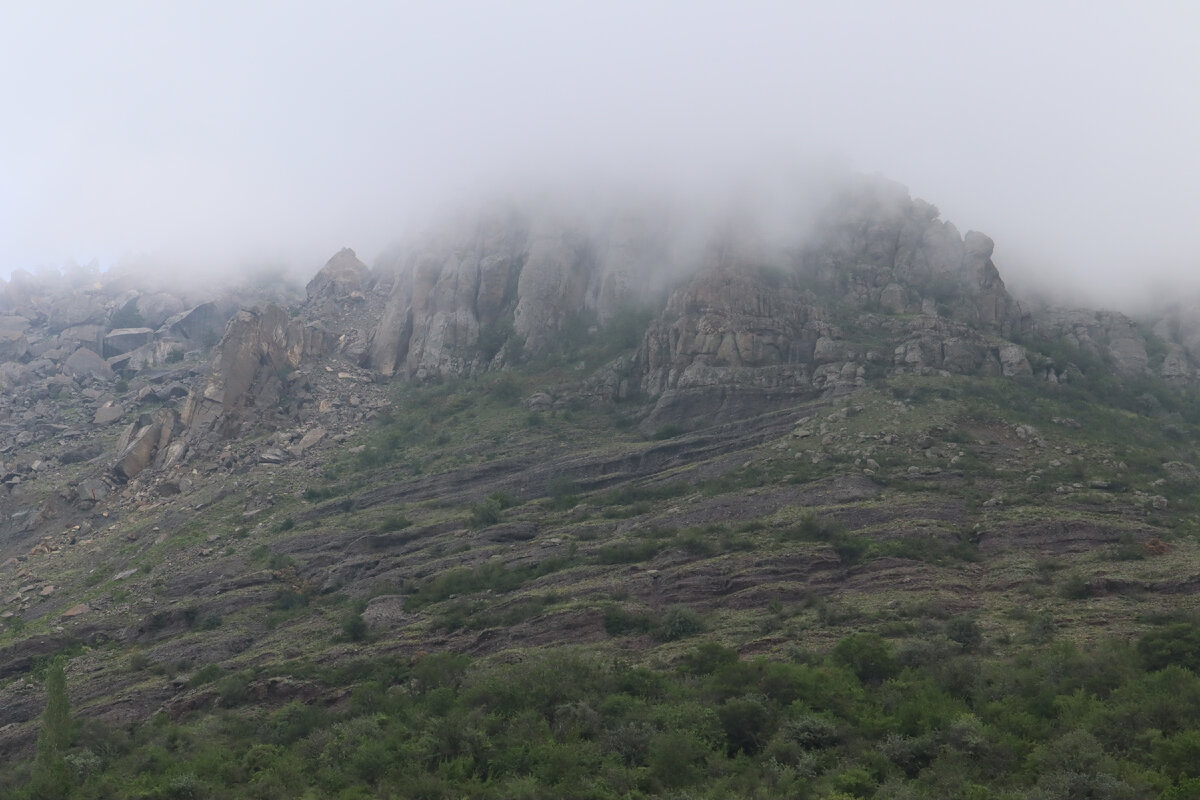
x=87, y=363
x=341, y=277
x=249, y=368
x=1103, y=335
x=444, y=292
x=880, y=249
x=878, y=285
x=122, y=340
x=156, y=308
x=747, y=300
x=145, y=442
x=508, y=277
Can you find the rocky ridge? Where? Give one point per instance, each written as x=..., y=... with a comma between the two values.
x=117, y=428
x=734, y=322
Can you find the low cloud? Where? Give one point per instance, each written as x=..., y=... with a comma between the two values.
x=205, y=139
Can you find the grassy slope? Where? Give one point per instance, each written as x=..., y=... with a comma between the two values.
x=467, y=524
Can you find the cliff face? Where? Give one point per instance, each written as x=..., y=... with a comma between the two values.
x=877, y=284
x=733, y=316
x=508, y=277
x=732, y=297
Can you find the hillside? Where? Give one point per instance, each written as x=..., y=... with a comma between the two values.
x=557, y=505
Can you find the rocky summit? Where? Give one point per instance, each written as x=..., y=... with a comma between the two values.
x=609, y=502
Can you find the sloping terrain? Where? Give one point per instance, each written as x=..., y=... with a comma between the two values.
x=860, y=527
x=461, y=521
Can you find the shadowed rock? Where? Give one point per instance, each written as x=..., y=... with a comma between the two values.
x=342, y=276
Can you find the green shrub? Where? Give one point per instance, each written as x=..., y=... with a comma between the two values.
x=811, y=528
x=708, y=658
x=486, y=513
x=394, y=522
x=619, y=621
x=675, y=758
x=747, y=723
x=563, y=493
x=668, y=432
x=354, y=628
x=678, y=622
x=965, y=631
x=206, y=674
x=232, y=689
x=1177, y=644
x=868, y=656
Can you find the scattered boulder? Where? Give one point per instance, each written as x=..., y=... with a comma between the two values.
x=13, y=344
x=307, y=441
x=92, y=489
x=156, y=308
x=149, y=438
x=108, y=413
x=87, y=363
x=122, y=340
x=1013, y=361
x=202, y=324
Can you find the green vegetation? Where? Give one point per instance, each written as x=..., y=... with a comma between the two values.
x=870, y=720
x=936, y=587
x=50, y=778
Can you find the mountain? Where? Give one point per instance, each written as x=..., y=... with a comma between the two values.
x=622, y=501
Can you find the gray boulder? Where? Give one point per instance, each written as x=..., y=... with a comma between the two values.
x=78, y=308
x=157, y=307
x=123, y=340
x=108, y=413
x=86, y=363
x=202, y=324
x=145, y=440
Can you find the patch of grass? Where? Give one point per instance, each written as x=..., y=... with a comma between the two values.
x=479, y=614
x=668, y=432
x=491, y=576
x=634, y=552
x=206, y=674
x=394, y=522
x=633, y=495
x=678, y=622
x=620, y=621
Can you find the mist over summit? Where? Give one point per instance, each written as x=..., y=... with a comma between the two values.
x=485, y=400
x=773, y=432
x=1069, y=138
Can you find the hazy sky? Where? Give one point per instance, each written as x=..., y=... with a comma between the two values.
x=212, y=133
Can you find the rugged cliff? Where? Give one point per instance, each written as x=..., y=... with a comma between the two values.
x=641, y=434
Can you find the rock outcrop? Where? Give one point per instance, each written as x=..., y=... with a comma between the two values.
x=878, y=285
x=249, y=369
x=343, y=276
x=468, y=296
x=145, y=442
x=736, y=305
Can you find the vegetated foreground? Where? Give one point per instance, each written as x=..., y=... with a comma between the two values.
x=934, y=587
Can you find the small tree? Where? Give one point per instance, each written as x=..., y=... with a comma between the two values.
x=354, y=627
x=51, y=780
